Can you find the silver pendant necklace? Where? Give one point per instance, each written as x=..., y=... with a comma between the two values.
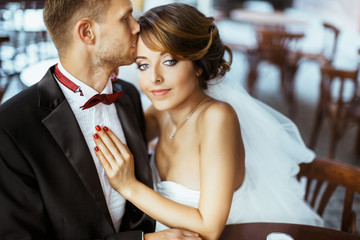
x=172, y=135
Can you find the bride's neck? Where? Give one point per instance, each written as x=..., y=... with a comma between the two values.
x=180, y=113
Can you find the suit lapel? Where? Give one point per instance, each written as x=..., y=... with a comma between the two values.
x=65, y=129
x=134, y=136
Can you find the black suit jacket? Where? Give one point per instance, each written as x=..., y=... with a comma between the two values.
x=49, y=187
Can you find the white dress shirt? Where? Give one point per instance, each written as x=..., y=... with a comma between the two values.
x=102, y=115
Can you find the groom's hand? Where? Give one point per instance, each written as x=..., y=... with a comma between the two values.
x=172, y=234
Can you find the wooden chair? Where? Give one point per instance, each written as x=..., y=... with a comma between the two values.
x=278, y=47
x=329, y=46
x=333, y=174
x=334, y=104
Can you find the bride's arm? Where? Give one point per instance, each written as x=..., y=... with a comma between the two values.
x=221, y=165
x=221, y=141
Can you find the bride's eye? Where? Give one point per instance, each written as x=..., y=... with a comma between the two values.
x=142, y=67
x=171, y=62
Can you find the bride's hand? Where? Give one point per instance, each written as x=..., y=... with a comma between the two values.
x=116, y=159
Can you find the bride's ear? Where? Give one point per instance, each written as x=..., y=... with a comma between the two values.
x=199, y=72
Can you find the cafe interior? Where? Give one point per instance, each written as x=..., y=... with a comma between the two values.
x=301, y=57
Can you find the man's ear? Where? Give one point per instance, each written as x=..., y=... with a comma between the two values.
x=85, y=31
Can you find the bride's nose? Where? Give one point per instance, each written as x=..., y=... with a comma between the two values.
x=156, y=75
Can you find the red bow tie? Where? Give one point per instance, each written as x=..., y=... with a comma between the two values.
x=104, y=98
x=97, y=98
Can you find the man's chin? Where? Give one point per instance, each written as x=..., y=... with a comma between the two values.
x=128, y=61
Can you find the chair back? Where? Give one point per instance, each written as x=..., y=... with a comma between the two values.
x=333, y=98
x=330, y=39
x=333, y=174
x=327, y=53
x=274, y=44
x=339, y=102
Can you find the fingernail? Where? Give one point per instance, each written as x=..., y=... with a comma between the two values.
x=96, y=136
x=98, y=128
x=105, y=128
x=96, y=148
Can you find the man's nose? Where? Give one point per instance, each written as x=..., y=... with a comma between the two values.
x=135, y=26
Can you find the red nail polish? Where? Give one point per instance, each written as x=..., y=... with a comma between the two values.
x=105, y=128
x=96, y=136
x=96, y=148
x=98, y=128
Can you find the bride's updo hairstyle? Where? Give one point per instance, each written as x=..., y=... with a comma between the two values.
x=187, y=34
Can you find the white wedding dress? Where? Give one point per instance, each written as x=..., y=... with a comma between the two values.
x=273, y=151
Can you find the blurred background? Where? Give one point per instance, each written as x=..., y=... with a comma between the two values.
x=286, y=53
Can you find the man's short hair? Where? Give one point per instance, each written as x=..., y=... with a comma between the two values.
x=61, y=15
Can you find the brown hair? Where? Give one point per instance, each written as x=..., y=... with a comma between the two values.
x=186, y=34
x=61, y=15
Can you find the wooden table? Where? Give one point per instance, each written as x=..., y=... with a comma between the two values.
x=259, y=231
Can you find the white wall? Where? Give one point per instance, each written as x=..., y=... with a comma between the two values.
x=343, y=13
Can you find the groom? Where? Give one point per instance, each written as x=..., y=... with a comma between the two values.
x=52, y=186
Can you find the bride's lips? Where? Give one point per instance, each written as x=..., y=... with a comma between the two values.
x=160, y=92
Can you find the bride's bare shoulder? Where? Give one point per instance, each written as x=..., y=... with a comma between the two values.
x=218, y=108
x=217, y=112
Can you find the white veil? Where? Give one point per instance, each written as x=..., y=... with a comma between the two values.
x=269, y=137
x=273, y=151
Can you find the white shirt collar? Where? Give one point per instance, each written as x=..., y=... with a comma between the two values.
x=86, y=89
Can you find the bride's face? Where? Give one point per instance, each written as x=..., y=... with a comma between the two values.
x=168, y=82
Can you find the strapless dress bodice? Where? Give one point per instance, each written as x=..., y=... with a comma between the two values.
x=249, y=204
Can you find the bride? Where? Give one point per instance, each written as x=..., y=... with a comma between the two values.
x=222, y=157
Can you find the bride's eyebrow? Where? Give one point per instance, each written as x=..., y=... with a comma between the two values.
x=143, y=57
x=140, y=57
